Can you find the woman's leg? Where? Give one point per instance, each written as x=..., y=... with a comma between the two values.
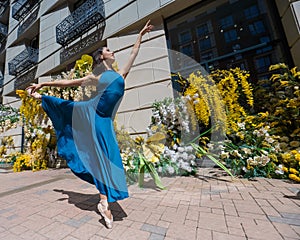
x=104, y=209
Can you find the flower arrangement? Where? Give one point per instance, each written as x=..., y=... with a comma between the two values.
x=9, y=118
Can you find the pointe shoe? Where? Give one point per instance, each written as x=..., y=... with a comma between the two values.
x=102, y=207
x=34, y=95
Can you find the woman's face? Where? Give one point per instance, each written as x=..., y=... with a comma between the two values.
x=107, y=54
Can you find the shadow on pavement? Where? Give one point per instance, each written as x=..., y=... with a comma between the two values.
x=88, y=202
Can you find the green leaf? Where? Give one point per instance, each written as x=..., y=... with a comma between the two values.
x=144, y=163
x=210, y=156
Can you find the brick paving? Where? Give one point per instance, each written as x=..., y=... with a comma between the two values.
x=53, y=204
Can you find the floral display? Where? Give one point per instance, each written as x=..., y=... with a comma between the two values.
x=9, y=118
x=260, y=127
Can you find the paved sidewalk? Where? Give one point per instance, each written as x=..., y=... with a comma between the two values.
x=53, y=204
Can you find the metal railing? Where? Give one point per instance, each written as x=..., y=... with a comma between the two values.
x=24, y=80
x=88, y=15
x=28, y=22
x=3, y=6
x=22, y=8
x=23, y=61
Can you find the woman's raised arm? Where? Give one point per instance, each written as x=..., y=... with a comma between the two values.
x=84, y=81
x=147, y=28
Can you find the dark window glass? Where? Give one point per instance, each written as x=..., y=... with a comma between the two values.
x=265, y=39
x=230, y=35
x=187, y=50
x=226, y=22
x=204, y=44
x=206, y=56
x=202, y=30
x=262, y=64
x=251, y=12
x=257, y=27
x=185, y=37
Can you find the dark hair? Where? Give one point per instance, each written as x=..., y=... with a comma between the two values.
x=96, y=56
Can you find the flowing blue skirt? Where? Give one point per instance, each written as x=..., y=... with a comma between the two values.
x=86, y=138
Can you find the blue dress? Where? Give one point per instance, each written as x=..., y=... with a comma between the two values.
x=86, y=138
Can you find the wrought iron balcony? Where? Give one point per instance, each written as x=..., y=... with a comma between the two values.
x=24, y=80
x=28, y=22
x=22, y=8
x=23, y=61
x=3, y=32
x=88, y=15
x=3, y=6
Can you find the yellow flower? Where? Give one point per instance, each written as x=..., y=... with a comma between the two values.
x=21, y=93
x=293, y=170
x=283, y=83
x=278, y=66
x=297, y=157
x=285, y=169
x=286, y=156
x=294, y=177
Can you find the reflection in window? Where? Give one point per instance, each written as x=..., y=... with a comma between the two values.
x=262, y=64
x=206, y=56
x=202, y=30
x=187, y=50
x=251, y=12
x=226, y=22
x=257, y=27
x=204, y=44
x=185, y=37
x=230, y=35
x=265, y=39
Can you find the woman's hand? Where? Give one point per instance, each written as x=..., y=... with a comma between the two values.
x=33, y=88
x=147, y=28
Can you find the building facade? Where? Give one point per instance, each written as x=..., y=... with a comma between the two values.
x=41, y=38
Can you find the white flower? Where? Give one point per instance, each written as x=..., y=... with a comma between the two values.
x=241, y=125
x=279, y=169
x=210, y=145
x=269, y=139
x=264, y=160
x=180, y=149
x=189, y=148
x=170, y=170
x=246, y=150
x=237, y=154
x=224, y=155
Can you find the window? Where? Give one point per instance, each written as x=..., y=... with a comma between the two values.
x=202, y=30
x=257, y=27
x=230, y=35
x=226, y=22
x=204, y=44
x=185, y=37
x=207, y=56
x=187, y=50
x=262, y=64
x=268, y=47
x=251, y=12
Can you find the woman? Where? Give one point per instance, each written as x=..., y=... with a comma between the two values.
x=84, y=130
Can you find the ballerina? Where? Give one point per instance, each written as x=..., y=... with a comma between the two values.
x=84, y=130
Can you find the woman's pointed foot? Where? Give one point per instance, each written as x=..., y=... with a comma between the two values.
x=106, y=214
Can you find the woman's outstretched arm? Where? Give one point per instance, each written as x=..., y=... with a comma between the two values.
x=147, y=28
x=87, y=80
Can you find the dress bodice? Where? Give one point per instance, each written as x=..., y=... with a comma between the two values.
x=110, y=91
